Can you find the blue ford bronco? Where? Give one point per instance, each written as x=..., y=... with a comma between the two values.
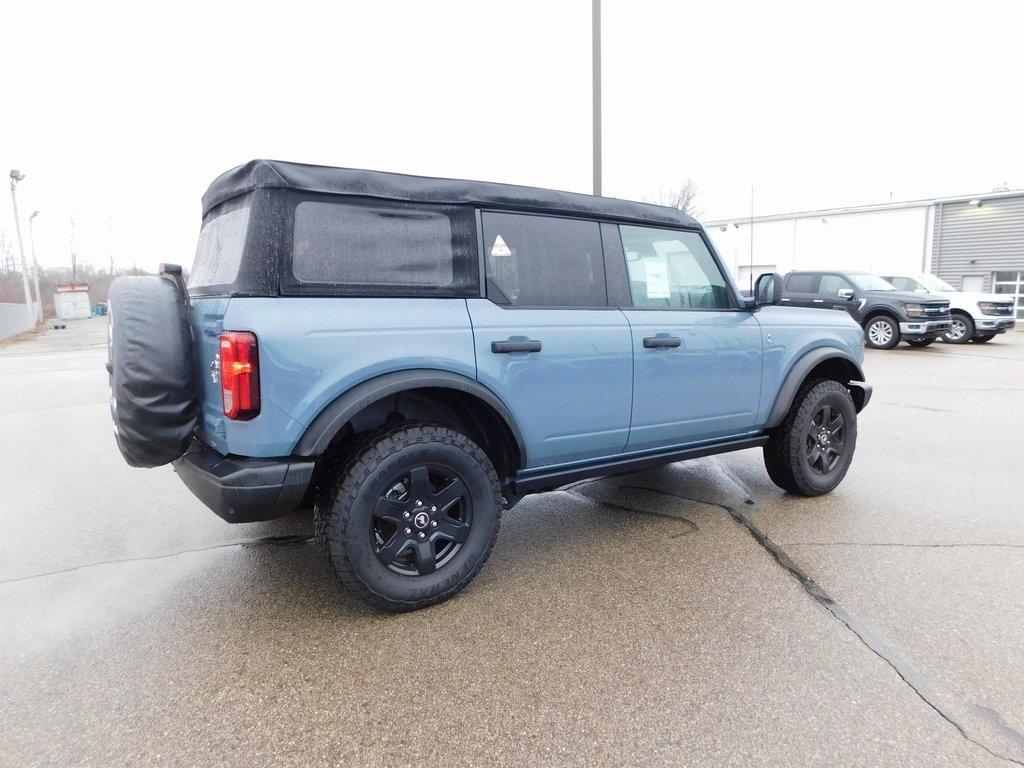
x=410, y=356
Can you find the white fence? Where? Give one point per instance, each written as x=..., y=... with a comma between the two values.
x=14, y=320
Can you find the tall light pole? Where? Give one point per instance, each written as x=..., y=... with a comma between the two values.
x=596, y=44
x=30, y=313
x=35, y=264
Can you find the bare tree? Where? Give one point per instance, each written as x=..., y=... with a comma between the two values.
x=682, y=198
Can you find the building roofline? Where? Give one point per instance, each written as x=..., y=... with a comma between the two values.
x=922, y=203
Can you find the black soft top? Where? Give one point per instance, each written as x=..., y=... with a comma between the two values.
x=274, y=174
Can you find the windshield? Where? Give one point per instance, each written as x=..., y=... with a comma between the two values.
x=932, y=283
x=868, y=282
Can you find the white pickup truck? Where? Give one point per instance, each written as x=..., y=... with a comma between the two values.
x=975, y=316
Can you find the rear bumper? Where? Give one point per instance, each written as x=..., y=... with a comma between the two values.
x=244, y=490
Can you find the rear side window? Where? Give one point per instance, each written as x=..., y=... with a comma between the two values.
x=219, y=253
x=801, y=283
x=543, y=261
x=382, y=248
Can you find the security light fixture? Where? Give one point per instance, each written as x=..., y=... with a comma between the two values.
x=17, y=175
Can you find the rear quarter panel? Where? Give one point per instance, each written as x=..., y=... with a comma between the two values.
x=313, y=349
x=789, y=333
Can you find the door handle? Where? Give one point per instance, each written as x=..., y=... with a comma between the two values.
x=654, y=342
x=504, y=347
x=818, y=301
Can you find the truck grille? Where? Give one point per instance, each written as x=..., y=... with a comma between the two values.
x=936, y=310
x=1003, y=309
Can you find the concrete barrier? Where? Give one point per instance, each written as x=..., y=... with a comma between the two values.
x=13, y=320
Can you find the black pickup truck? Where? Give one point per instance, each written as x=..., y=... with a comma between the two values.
x=887, y=315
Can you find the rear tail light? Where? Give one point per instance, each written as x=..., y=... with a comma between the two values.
x=239, y=375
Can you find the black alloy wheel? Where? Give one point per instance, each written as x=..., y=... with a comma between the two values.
x=825, y=441
x=421, y=520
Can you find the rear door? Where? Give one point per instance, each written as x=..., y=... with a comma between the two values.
x=697, y=354
x=547, y=342
x=802, y=290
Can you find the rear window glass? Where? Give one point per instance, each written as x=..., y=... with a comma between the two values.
x=542, y=261
x=219, y=253
x=372, y=245
x=800, y=283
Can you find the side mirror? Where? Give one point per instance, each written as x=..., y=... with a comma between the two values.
x=845, y=293
x=768, y=289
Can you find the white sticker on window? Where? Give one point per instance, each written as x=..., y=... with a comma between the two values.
x=500, y=249
x=656, y=279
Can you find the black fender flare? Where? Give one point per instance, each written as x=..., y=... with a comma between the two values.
x=797, y=374
x=331, y=419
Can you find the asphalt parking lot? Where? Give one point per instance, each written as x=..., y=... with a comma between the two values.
x=689, y=615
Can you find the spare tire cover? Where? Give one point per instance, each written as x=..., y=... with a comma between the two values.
x=152, y=394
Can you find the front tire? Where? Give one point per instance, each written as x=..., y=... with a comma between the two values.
x=412, y=516
x=810, y=452
x=961, y=329
x=882, y=332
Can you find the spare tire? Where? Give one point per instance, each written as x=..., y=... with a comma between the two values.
x=153, y=399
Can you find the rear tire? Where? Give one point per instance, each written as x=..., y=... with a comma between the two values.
x=412, y=516
x=882, y=332
x=961, y=329
x=984, y=338
x=810, y=452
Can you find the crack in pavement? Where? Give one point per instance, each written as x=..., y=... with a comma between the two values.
x=916, y=681
x=278, y=541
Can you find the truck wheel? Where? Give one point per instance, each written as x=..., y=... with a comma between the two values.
x=882, y=332
x=961, y=329
x=412, y=516
x=983, y=338
x=919, y=342
x=810, y=452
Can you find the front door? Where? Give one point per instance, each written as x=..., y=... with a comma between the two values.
x=840, y=294
x=697, y=355
x=547, y=343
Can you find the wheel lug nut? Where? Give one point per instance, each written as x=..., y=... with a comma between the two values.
x=433, y=509
x=423, y=535
x=408, y=531
x=405, y=515
x=419, y=503
x=433, y=523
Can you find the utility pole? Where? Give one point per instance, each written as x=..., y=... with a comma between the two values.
x=71, y=247
x=30, y=313
x=596, y=45
x=35, y=264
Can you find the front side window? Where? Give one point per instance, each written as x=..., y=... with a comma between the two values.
x=832, y=284
x=672, y=269
x=219, y=253
x=372, y=244
x=543, y=261
x=904, y=283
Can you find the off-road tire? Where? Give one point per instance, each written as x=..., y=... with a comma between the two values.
x=785, y=455
x=968, y=325
x=894, y=332
x=343, y=511
x=983, y=338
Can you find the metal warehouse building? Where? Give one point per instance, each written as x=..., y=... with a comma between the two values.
x=973, y=242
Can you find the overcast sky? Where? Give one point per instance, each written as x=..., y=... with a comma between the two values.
x=129, y=110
